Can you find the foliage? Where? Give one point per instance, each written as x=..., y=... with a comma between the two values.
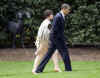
x=82, y=25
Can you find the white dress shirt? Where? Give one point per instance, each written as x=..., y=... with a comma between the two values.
x=62, y=14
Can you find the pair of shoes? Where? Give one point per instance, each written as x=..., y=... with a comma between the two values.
x=36, y=72
x=33, y=72
x=69, y=70
x=57, y=70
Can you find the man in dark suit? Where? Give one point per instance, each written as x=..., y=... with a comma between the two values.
x=57, y=40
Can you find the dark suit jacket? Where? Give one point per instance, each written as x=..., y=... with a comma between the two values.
x=57, y=31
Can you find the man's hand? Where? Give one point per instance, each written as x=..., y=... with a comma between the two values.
x=49, y=26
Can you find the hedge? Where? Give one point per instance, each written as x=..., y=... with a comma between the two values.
x=82, y=24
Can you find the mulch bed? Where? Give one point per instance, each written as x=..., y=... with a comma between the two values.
x=27, y=54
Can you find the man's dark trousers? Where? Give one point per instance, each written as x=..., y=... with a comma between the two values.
x=56, y=42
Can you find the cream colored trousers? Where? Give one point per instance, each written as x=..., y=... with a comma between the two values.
x=40, y=53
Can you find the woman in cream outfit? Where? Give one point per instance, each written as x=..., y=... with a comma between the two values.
x=43, y=40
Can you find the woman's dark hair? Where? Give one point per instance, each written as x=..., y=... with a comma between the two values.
x=47, y=13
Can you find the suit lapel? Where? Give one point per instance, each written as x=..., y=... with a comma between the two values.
x=62, y=17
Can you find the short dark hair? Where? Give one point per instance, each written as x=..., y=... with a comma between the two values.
x=47, y=13
x=65, y=6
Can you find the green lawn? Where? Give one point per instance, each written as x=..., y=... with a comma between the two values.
x=23, y=70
